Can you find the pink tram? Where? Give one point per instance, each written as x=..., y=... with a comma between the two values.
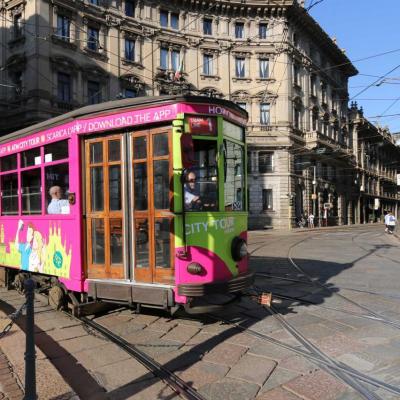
x=137, y=201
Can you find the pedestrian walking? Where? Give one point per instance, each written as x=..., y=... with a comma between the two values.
x=311, y=220
x=305, y=214
x=391, y=223
x=386, y=220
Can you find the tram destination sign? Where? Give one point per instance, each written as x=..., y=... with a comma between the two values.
x=198, y=125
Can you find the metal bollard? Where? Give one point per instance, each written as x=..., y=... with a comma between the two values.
x=30, y=355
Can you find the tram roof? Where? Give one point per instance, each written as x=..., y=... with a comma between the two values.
x=112, y=106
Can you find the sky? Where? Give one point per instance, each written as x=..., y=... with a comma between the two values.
x=367, y=28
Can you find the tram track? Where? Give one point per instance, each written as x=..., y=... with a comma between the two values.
x=383, y=320
x=306, y=282
x=341, y=371
x=170, y=378
x=313, y=355
x=354, y=314
x=318, y=284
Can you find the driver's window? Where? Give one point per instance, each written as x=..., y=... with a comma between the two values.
x=234, y=176
x=201, y=181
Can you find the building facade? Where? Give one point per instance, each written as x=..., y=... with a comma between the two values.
x=378, y=159
x=270, y=57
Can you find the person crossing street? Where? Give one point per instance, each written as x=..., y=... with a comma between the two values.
x=390, y=221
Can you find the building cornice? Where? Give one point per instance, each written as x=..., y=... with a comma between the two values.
x=299, y=16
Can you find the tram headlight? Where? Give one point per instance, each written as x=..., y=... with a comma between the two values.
x=238, y=248
x=195, y=269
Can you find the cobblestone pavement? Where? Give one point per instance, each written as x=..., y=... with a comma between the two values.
x=222, y=362
x=10, y=387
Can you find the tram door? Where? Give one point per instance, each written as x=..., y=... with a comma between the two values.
x=151, y=203
x=104, y=207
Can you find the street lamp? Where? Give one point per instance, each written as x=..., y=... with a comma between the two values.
x=314, y=195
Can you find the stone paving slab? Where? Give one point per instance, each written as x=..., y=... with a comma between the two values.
x=149, y=389
x=252, y=369
x=317, y=385
x=336, y=345
x=127, y=328
x=278, y=377
x=143, y=336
x=243, y=339
x=270, y=350
x=181, y=333
x=70, y=332
x=357, y=361
x=278, y=394
x=297, y=364
x=109, y=354
x=203, y=373
x=163, y=325
x=225, y=354
x=78, y=344
x=159, y=346
x=113, y=376
x=178, y=360
x=230, y=389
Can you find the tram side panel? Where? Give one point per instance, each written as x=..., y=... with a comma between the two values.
x=48, y=244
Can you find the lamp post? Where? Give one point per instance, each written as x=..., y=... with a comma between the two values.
x=314, y=196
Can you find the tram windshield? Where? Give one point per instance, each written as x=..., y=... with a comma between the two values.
x=201, y=180
x=234, y=176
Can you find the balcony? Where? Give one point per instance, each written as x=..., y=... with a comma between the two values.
x=315, y=138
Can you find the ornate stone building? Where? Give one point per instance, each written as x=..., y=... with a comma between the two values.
x=269, y=56
x=378, y=159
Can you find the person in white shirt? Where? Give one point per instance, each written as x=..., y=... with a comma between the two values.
x=386, y=222
x=311, y=220
x=192, y=197
x=57, y=205
x=391, y=222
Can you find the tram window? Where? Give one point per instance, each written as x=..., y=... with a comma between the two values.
x=116, y=241
x=140, y=186
x=98, y=253
x=160, y=145
x=201, y=181
x=140, y=147
x=30, y=157
x=9, y=163
x=31, y=192
x=162, y=238
x=161, y=184
x=57, y=176
x=114, y=150
x=114, y=183
x=96, y=152
x=97, y=188
x=234, y=176
x=142, y=243
x=56, y=151
x=9, y=194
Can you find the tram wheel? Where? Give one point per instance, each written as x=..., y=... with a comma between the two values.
x=18, y=283
x=57, y=298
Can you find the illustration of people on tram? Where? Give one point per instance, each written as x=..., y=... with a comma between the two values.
x=33, y=250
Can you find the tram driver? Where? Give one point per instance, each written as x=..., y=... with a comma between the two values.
x=192, y=195
x=57, y=205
